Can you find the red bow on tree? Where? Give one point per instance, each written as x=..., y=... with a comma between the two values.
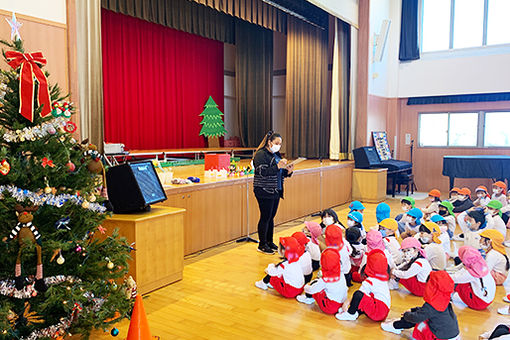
x=47, y=162
x=30, y=63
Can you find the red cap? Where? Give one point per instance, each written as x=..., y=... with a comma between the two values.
x=301, y=238
x=293, y=250
x=438, y=290
x=377, y=265
x=465, y=192
x=435, y=193
x=334, y=236
x=500, y=184
x=330, y=265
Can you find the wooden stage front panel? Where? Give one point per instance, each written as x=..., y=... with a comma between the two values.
x=218, y=211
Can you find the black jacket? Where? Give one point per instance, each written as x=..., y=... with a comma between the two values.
x=444, y=324
x=265, y=180
x=461, y=206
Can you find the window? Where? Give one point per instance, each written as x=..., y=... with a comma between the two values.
x=497, y=129
x=453, y=24
x=464, y=129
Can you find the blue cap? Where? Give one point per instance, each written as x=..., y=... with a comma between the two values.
x=355, y=216
x=416, y=213
x=382, y=212
x=437, y=218
x=356, y=205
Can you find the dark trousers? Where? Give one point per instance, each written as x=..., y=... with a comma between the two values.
x=403, y=324
x=268, y=208
x=355, y=301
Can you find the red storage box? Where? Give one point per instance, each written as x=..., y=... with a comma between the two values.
x=216, y=161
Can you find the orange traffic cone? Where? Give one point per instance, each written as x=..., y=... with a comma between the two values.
x=139, y=327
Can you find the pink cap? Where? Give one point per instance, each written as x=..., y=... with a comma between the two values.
x=315, y=230
x=375, y=241
x=411, y=242
x=473, y=261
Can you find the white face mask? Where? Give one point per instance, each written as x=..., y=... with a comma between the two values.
x=432, y=199
x=405, y=208
x=425, y=239
x=484, y=246
x=493, y=212
x=480, y=195
x=461, y=197
x=275, y=148
x=350, y=223
x=409, y=255
x=327, y=220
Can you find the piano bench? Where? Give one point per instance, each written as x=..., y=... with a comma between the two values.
x=408, y=181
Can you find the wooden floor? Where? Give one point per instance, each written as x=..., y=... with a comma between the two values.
x=217, y=299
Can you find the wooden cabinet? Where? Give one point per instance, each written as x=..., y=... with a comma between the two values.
x=369, y=185
x=158, y=236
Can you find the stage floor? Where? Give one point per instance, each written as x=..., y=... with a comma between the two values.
x=217, y=299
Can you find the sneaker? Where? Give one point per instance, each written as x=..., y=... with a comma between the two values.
x=265, y=250
x=304, y=299
x=269, y=285
x=458, y=301
x=388, y=327
x=272, y=246
x=393, y=284
x=485, y=335
x=506, y=243
x=503, y=311
x=346, y=316
x=506, y=298
x=261, y=284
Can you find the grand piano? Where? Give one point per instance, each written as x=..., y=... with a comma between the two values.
x=483, y=166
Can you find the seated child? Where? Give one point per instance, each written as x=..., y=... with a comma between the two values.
x=499, y=192
x=373, y=297
x=330, y=290
x=482, y=197
x=463, y=201
x=471, y=222
x=374, y=241
x=353, y=236
x=355, y=219
x=433, y=206
x=382, y=212
x=414, y=271
x=443, y=237
x=491, y=242
x=429, y=238
x=305, y=260
x=407, y=203
x=356, y=206
x=493, y=217
x=409, y=225
x=334, y=240
x=285, y=277
x=436, y=318
x=474, y=284
x=313, y=231
x=452, y=196
x=329, y=217
x=446, y=210
x=389, y=230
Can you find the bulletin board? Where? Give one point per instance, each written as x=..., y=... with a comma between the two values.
x=381, y=145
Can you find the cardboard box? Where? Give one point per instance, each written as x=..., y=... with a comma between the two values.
x=216, y=161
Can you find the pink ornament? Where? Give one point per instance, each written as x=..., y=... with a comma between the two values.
x=70, y=166
x=78, y=248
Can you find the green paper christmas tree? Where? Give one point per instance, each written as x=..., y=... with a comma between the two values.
x=212, y=123
x=60, y=273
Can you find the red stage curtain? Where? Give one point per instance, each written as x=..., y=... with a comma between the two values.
x=156, y=82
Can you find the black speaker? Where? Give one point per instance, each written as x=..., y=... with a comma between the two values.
x=366, y=157
x=133, y=187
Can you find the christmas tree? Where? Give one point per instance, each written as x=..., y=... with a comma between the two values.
x=212, y=124
x=60, y=274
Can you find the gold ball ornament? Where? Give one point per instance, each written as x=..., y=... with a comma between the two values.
x=47, y=190
x=60, y=259
x=110, y=265
x=85, y=204
x=92, y=198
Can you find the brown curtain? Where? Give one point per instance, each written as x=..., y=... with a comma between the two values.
x=339, y=146
x=254, y=81
x=306, y=98
x=254, y=11
x=183, y=15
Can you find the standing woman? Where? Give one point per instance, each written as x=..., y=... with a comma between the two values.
x=270, y=170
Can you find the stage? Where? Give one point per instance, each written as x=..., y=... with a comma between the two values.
x=221, y=210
